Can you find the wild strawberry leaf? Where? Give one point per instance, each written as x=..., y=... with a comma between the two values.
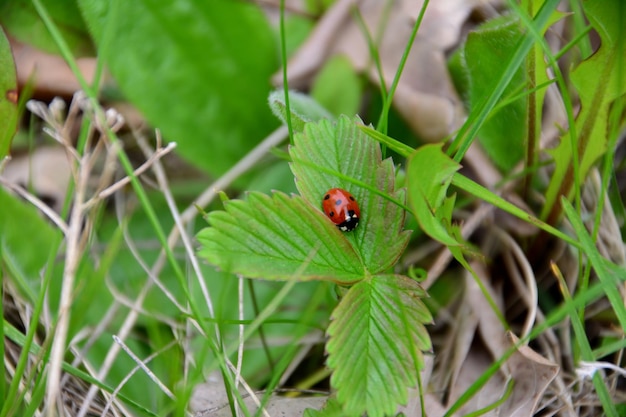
x=377, y=337
x=278, y=238
x=338, y=154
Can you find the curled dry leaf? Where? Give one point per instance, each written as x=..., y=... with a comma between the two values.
x=425, y=95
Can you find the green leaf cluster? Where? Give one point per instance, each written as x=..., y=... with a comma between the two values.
x=377, y=335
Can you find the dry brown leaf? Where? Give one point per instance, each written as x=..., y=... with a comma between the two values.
x=489, y=326
x=530, y=372
x=457, y=345
x=53, y=77
x=477, y=362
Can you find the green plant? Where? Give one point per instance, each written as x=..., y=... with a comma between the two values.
x=377, y=333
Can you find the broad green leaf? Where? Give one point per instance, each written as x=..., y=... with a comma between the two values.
x=503, y=133
x=377, y=337
x=484, y=106
x=21, y=20
x=26, y=240
x=280, y=238
x=599, y=80
x=337, y=87
x=198, y=70
x=430, y=173
x=8, y=96
x=304, y=109
x=329, y=155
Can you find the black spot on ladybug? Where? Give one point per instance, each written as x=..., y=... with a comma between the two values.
x=338, y=202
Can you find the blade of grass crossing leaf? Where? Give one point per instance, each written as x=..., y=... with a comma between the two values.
x=397, y=146
x=481, y=192
x=478, y=115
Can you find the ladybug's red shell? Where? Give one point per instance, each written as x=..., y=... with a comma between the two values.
x=341, y=208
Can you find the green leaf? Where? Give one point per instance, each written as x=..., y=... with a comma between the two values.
x=304, y=109
x=198, y=70
x=430, y=173
x=26, y=241
x=280, y=238
x=376, y=343
x=599, y=80
x=503, y=134
x=21, y=20
x=329, y=155
x=338, y=87
x=8, y=96
x=332, y=408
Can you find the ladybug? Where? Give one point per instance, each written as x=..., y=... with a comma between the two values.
x=341, y=208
